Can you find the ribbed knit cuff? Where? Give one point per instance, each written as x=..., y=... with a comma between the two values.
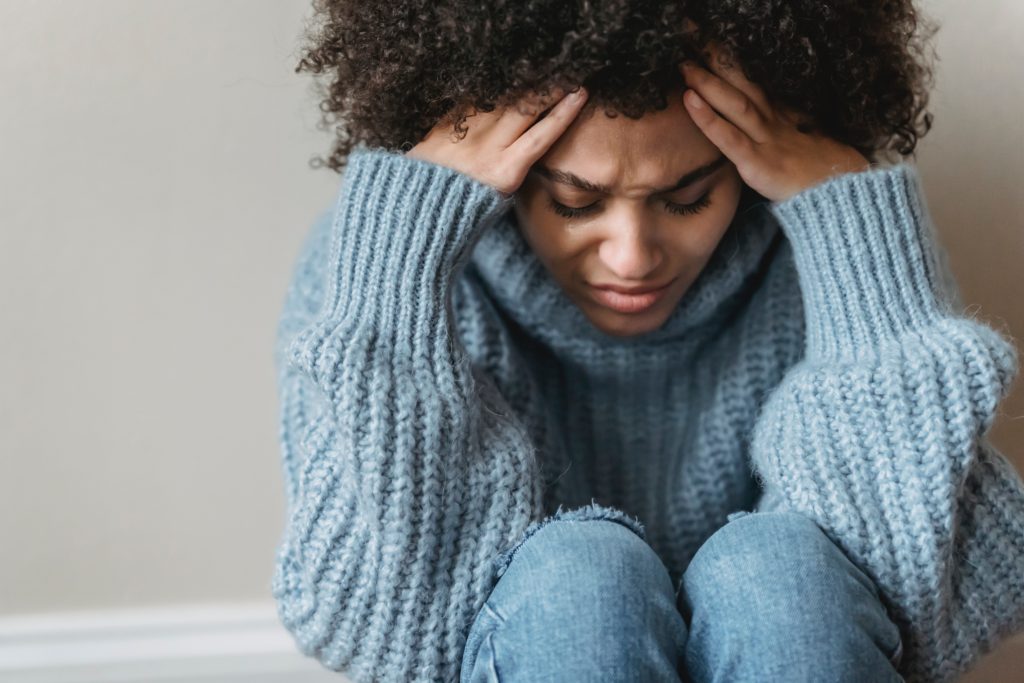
x=865, y=253
x=402, y=227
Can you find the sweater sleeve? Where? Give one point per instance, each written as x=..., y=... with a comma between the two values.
x=410, y=481
x=879, y=433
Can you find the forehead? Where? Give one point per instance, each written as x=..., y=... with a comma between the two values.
x=649, y=149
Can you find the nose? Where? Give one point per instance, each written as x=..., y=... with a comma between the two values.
x=631, y=253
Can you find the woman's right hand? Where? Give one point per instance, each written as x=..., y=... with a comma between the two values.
x=500, y=146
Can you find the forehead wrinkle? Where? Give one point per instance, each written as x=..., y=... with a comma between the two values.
x=692, y=175
x=611, y=151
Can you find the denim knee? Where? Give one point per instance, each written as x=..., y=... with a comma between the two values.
x=572, y=562
x=584, y=599
x=771, y=595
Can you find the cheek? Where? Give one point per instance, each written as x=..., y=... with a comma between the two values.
x=543, y=230
x=697, y=240
x=720, y=214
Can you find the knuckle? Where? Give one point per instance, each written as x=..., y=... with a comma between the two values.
x=529, y=143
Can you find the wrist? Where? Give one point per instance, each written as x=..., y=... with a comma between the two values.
x=869, y=263
x=840, y=161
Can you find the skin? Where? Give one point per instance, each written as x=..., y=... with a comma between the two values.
x=629, y=237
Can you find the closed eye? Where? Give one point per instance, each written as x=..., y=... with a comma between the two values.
x=670, y=206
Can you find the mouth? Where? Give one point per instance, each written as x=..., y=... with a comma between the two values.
x=629, y=303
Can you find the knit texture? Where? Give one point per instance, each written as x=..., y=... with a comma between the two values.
x=442, y=399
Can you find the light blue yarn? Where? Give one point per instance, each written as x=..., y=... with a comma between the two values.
x=441, y=399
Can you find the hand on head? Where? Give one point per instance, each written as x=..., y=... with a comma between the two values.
x=500, y=146
x=773, y=156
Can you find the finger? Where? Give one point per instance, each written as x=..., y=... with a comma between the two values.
x=733, y=142
x=517, y=117
x=727, y=100
x=533, y=143
x=727, y=68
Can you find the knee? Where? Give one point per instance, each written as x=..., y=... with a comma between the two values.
x=579, y=598
x=769, y=539
x=783, y=569
x=594, y=569
x=766, y=556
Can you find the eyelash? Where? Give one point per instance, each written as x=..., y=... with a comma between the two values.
x=671, y=207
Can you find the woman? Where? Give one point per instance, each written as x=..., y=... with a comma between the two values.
x=774, y=467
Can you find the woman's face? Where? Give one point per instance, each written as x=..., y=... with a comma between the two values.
x=629, y=203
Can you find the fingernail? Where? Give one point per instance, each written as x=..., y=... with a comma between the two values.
x=695, y=100
x=578, y=94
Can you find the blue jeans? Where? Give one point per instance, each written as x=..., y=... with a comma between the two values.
x=768, y=597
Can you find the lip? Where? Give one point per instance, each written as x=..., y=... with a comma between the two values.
x=634, y=290
x=629, y=303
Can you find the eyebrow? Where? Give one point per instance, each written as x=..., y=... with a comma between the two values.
x=567, y=178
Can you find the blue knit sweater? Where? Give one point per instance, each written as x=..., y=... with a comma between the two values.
x=441, y=399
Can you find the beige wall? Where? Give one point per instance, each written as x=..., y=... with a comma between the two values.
x=154, y=188
x=153, y=191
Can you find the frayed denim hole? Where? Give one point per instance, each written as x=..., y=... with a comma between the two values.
x=736, y=515
x=593, y=511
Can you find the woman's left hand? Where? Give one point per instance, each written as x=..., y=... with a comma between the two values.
x=772, y=156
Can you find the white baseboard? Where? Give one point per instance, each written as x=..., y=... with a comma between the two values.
x=200, y=643
x=215, y=643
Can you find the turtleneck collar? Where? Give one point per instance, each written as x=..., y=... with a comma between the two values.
x=526, y=292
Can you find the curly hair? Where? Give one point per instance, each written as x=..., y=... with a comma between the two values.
x=859, y=70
